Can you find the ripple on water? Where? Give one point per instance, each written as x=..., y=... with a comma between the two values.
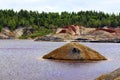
x=21, y=60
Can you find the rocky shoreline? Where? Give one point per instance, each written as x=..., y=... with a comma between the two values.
x=98, y=41
x=82, y=34
x=58, y=39
x=68, y=33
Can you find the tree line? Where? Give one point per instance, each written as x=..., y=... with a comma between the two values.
x=12, y=19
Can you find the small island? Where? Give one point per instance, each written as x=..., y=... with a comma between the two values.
x=74, y=51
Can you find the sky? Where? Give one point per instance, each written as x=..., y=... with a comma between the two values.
x=107, y=6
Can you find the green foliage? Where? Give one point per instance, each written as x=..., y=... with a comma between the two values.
x=40, y=32
x=53, y=20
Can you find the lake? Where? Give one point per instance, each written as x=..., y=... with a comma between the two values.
x=21, y=60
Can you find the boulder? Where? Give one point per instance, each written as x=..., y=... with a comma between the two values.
x=115, y=75
x=74, y=51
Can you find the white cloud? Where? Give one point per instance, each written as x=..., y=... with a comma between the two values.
x=62, y=5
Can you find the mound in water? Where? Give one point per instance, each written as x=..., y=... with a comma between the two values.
x=115, y=75
x=74, y=51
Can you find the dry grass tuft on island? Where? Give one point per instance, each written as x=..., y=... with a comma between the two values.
x=74, y=51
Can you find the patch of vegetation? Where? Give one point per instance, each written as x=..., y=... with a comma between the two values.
x=41, y=32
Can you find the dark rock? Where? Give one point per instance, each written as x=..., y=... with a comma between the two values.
x=81, y=40
x=49, y=38
x=107, y=41
x=28, y=30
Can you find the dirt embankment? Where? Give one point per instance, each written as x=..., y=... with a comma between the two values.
x=81, y=33
x=72, y=32
x=6, y=33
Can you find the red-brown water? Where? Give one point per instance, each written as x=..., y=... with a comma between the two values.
x=21, y=60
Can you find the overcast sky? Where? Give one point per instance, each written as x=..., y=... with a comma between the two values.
x=108, y=6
